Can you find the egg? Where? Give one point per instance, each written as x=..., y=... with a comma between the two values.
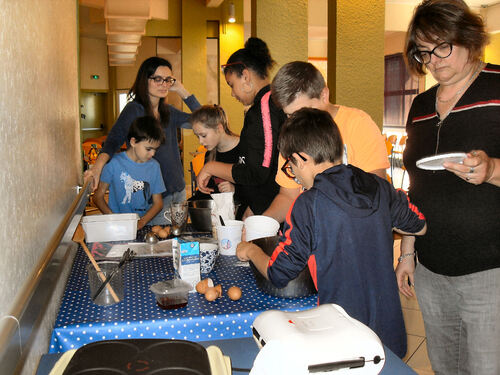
x=211, y=294
x=163, y=233
x=203, y=285
x=234, y=293
x=156, y=229
x=218, y=288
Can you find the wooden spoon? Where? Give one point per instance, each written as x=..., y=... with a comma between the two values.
x=79, y=237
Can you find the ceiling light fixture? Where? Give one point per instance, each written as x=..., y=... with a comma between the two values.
x=231, y=14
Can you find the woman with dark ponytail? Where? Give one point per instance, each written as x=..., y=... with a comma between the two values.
x=148, y=97
x=247, y=73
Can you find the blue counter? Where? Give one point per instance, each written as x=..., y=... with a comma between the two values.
x=224, y=323
x=80, y=321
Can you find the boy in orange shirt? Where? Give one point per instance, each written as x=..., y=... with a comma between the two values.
x=299, y=84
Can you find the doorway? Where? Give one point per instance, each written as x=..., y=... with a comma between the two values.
x=92, y=114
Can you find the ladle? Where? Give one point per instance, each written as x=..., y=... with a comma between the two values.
x=79, y=237
x=176, y=230
x=151, y=238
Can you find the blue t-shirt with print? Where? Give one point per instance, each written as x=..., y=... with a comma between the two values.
x=131, y=184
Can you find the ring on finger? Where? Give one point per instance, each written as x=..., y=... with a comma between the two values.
x=467, y=178
x=471, y=170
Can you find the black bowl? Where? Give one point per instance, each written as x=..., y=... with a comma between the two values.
x=301, y=286
x=200, y=213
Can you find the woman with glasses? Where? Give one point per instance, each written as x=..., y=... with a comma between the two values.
x=153, y=82
x=247, y=73
x=457, y=279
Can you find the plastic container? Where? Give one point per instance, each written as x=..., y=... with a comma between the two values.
x=171, y=294
x=105, y=298
x=113, y=227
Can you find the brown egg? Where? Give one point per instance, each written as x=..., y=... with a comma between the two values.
x=156, y=229
x=163, y=233
x=211, y=294
x=202, y=286
x=218, y=288
x=234, y=293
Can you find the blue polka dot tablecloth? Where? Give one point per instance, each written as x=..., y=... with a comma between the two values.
x=80, y=321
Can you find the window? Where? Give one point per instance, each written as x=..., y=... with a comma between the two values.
x=399, y=90
x=122, y=99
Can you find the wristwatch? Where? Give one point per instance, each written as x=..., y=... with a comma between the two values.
x=400, y=259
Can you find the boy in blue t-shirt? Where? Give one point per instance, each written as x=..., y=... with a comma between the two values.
x=341, y=227
x=134, y=177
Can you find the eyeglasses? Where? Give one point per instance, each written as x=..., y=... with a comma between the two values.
x=442, y=51
x=287, y=168
x=223, y=67
x=160, y=80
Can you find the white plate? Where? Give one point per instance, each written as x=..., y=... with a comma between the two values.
x=435, y=162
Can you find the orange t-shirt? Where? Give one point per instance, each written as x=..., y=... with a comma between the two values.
x=362, y=139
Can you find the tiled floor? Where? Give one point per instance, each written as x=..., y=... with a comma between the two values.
x=416, y=357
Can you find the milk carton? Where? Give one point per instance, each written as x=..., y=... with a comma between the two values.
x=186, y=257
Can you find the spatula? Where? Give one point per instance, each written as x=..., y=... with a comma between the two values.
x=79, y=237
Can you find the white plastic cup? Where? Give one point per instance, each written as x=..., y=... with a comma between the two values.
x=238, y=223
x=260, y=226
x=229, y=236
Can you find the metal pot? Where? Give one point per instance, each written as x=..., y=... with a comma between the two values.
x=200, y=213
x=301, y=286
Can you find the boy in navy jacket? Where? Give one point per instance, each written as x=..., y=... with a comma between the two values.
x=341, y=227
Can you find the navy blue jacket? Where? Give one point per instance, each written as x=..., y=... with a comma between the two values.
x=342, y=228
x=168, y=153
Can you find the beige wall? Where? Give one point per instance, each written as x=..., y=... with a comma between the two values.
x=282, y=24
x=170, y=27
x=231, y=39
x=357, y=43
x=394, y=42
x=492, y=52
x=39, y=137
x=194, y=64
x=491, y=15
x=125, y=75
x=398, y=16
x=93, y=60
x=317, y=15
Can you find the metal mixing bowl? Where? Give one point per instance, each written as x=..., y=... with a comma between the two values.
x=200, y=213
x=301, y=286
